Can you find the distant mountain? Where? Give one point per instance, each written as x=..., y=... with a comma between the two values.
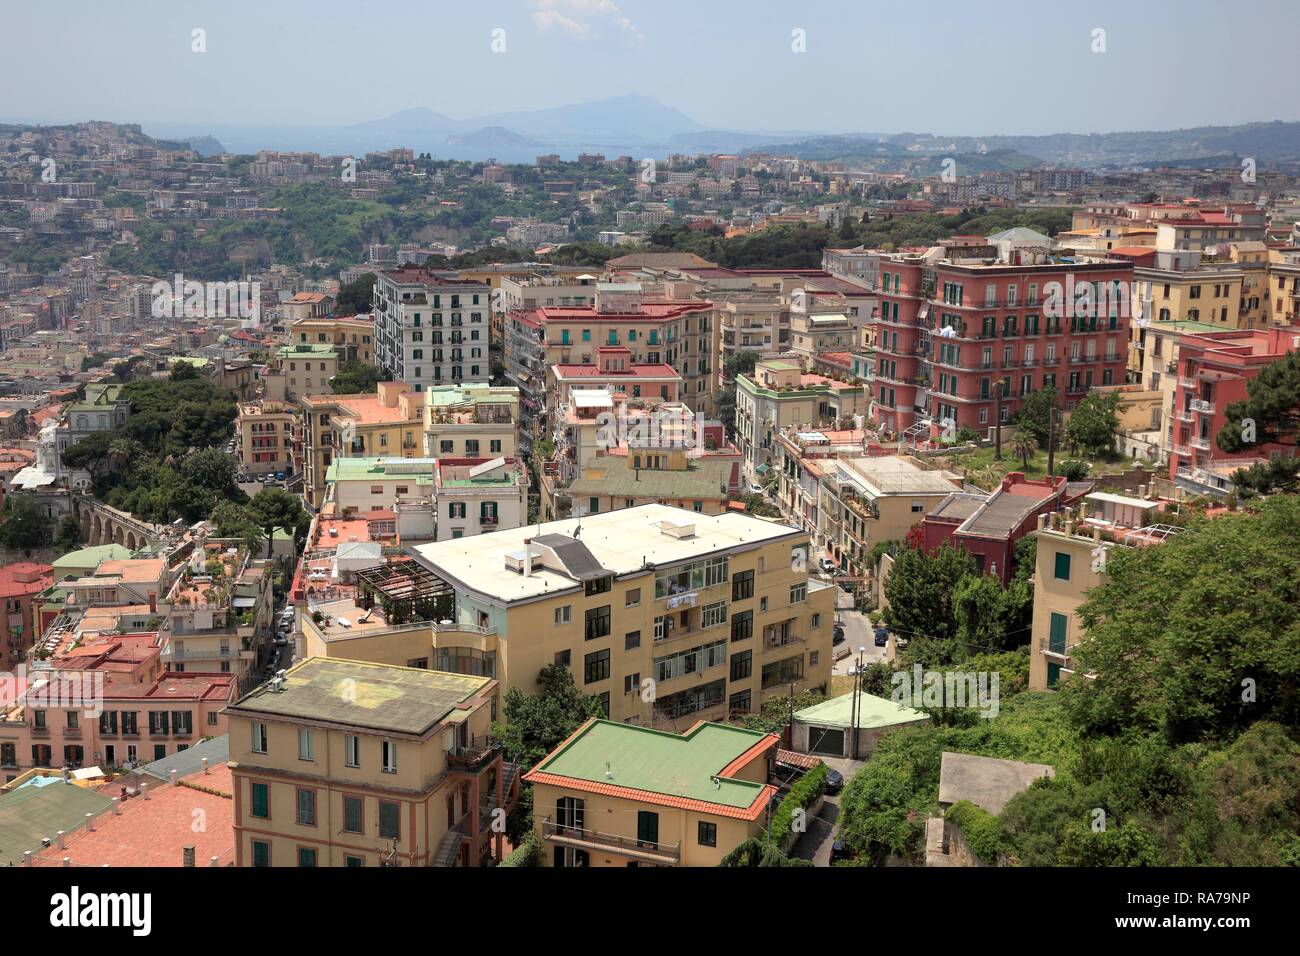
x=620, y=119
x=205, y=146
x=491, y=136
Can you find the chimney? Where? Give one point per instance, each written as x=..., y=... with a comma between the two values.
x=213, y=862
x=144, y=790
x=27, y=857
x=187, y=855
x=171, y=775
x=67, y=861
x=153, y=602
x=1142, y=491
x=204, y=763
x=528, y=556
x=117, y=807
x=58, y=839
x=90, y=822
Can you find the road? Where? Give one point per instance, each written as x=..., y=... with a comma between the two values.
x=858, y=633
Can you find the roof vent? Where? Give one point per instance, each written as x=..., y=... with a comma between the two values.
x=677, y=529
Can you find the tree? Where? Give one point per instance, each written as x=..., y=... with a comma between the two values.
x=537, y=723
x=91, y=454
x=356, y=296
x=69, y=536
x=920, y=591
x=274, y=508
x=1199, y=637
x=215, y=470
x=1278, y=474
x=1036, y=413
x=26, y=524
x=357, y=378
x=237, y=521
x=758, y=852
x=1270, y=413
x=1024, y=447
x=1093, y=424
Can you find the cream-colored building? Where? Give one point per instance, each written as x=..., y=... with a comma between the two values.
x=615, y=794
x=346, y=763
x=265, y=433
x=470, y=420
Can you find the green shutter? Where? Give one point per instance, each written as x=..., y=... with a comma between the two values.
x=259, y=798
x=1062, y=566
x=1056, y=640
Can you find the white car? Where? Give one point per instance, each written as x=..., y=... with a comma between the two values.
x=755, y=489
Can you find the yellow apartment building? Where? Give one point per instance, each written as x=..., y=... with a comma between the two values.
x=667, y=616
x=346, y=763
x=306, y=369
x=351, y=338
x=616, y=794
x=388, y=423
x=470, y=420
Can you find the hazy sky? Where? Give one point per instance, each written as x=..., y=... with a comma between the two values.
x=966, y=67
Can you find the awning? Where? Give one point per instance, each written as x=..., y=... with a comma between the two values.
x=243, y=602
x=763, y=469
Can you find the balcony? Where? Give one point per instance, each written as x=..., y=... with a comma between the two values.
x=1200, y=442
x=1183, y=415
x=1202, y=407
x=1187, y=382
x=664, y=854
x=474, y=755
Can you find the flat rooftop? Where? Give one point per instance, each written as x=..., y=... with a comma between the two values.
x=33, y=812
x=379, y=697
x=986, y=781
x=635, y=762
x=623, y=542
x=892, y=475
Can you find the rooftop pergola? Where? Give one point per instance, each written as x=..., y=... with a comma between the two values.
x=406, y=592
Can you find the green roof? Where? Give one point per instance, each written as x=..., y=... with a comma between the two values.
x=380, y=697
x=472, y=392
x=31, y=813
x=1187, y=325
x=89, y=558
x=418, y=470
x=703, y=480
x=656, y=761
x=873, y=712
x=306, y=348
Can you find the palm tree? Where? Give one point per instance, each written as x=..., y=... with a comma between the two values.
x=1024, y=447
x=988, y=477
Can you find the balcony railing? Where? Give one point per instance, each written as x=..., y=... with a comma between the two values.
x=1202, y=443
x=1202, y=406
x=474, y=755
x=670, y=853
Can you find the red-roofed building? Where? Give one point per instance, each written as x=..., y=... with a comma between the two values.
x=20, y=583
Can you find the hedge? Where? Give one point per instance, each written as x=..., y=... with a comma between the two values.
x=980, y=829
x=801, y=796
x=528, y=853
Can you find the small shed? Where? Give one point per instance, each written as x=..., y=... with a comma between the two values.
x=826, y=729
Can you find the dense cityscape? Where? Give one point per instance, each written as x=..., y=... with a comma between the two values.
x=822, y=501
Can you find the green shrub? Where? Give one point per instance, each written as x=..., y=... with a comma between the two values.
x=801, y=796
x=979, y=827
x=528, y=853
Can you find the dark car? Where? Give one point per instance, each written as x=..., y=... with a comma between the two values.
x=839, y=851
x=882, y=636
x=846, y=586
x=834, y=781
x=838, y=639
x=838, y=631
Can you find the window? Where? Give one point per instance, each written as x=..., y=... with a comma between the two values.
x=598, y=585
x=563, y=658
x=306, y=856
x=306, y=744
x=1062, y=570
x=352, y=750
x=352, y=815
x=306, y=807
x=259, y=801
x=631, y=640
x=631, y=682
x=261, y=853
x=798, y=592
x=259, y=735
x=742, y=665
x=597, y=623
x=711, y=615
x=633, y=598
x=740, y=703
x=742, y=626
x=816, y=621
x=742, y=585
x=353, y=861
x=388, y=751
x=708, y=834
x=564, y=615
x=596, y=667
x=647, y=828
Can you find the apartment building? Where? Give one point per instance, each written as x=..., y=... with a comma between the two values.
x=430, y=330
x=266, y=435
x=475, y=495
x=1213, y=372
x=221, y=608
x=466, y=421
x=301, y=371
x=352, y=337
x=717, y=611
x=348, y=763
x=20, y=585
x=615, y=371
x=388, y=422
x=616, y=794
x=675, y=333
x=400, y=488
x=952, y=332
x=819, y=323
x=1071, y=560
x=778, y=395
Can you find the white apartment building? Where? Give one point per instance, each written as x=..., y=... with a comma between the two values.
x=430, y=330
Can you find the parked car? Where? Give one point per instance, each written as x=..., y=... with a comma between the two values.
x=834, y=781
x=846, y=586
x=882, y=636
x=838, y=639
x=755, y=489
x=828, y=566
x=839, y=851
x=838, y=631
